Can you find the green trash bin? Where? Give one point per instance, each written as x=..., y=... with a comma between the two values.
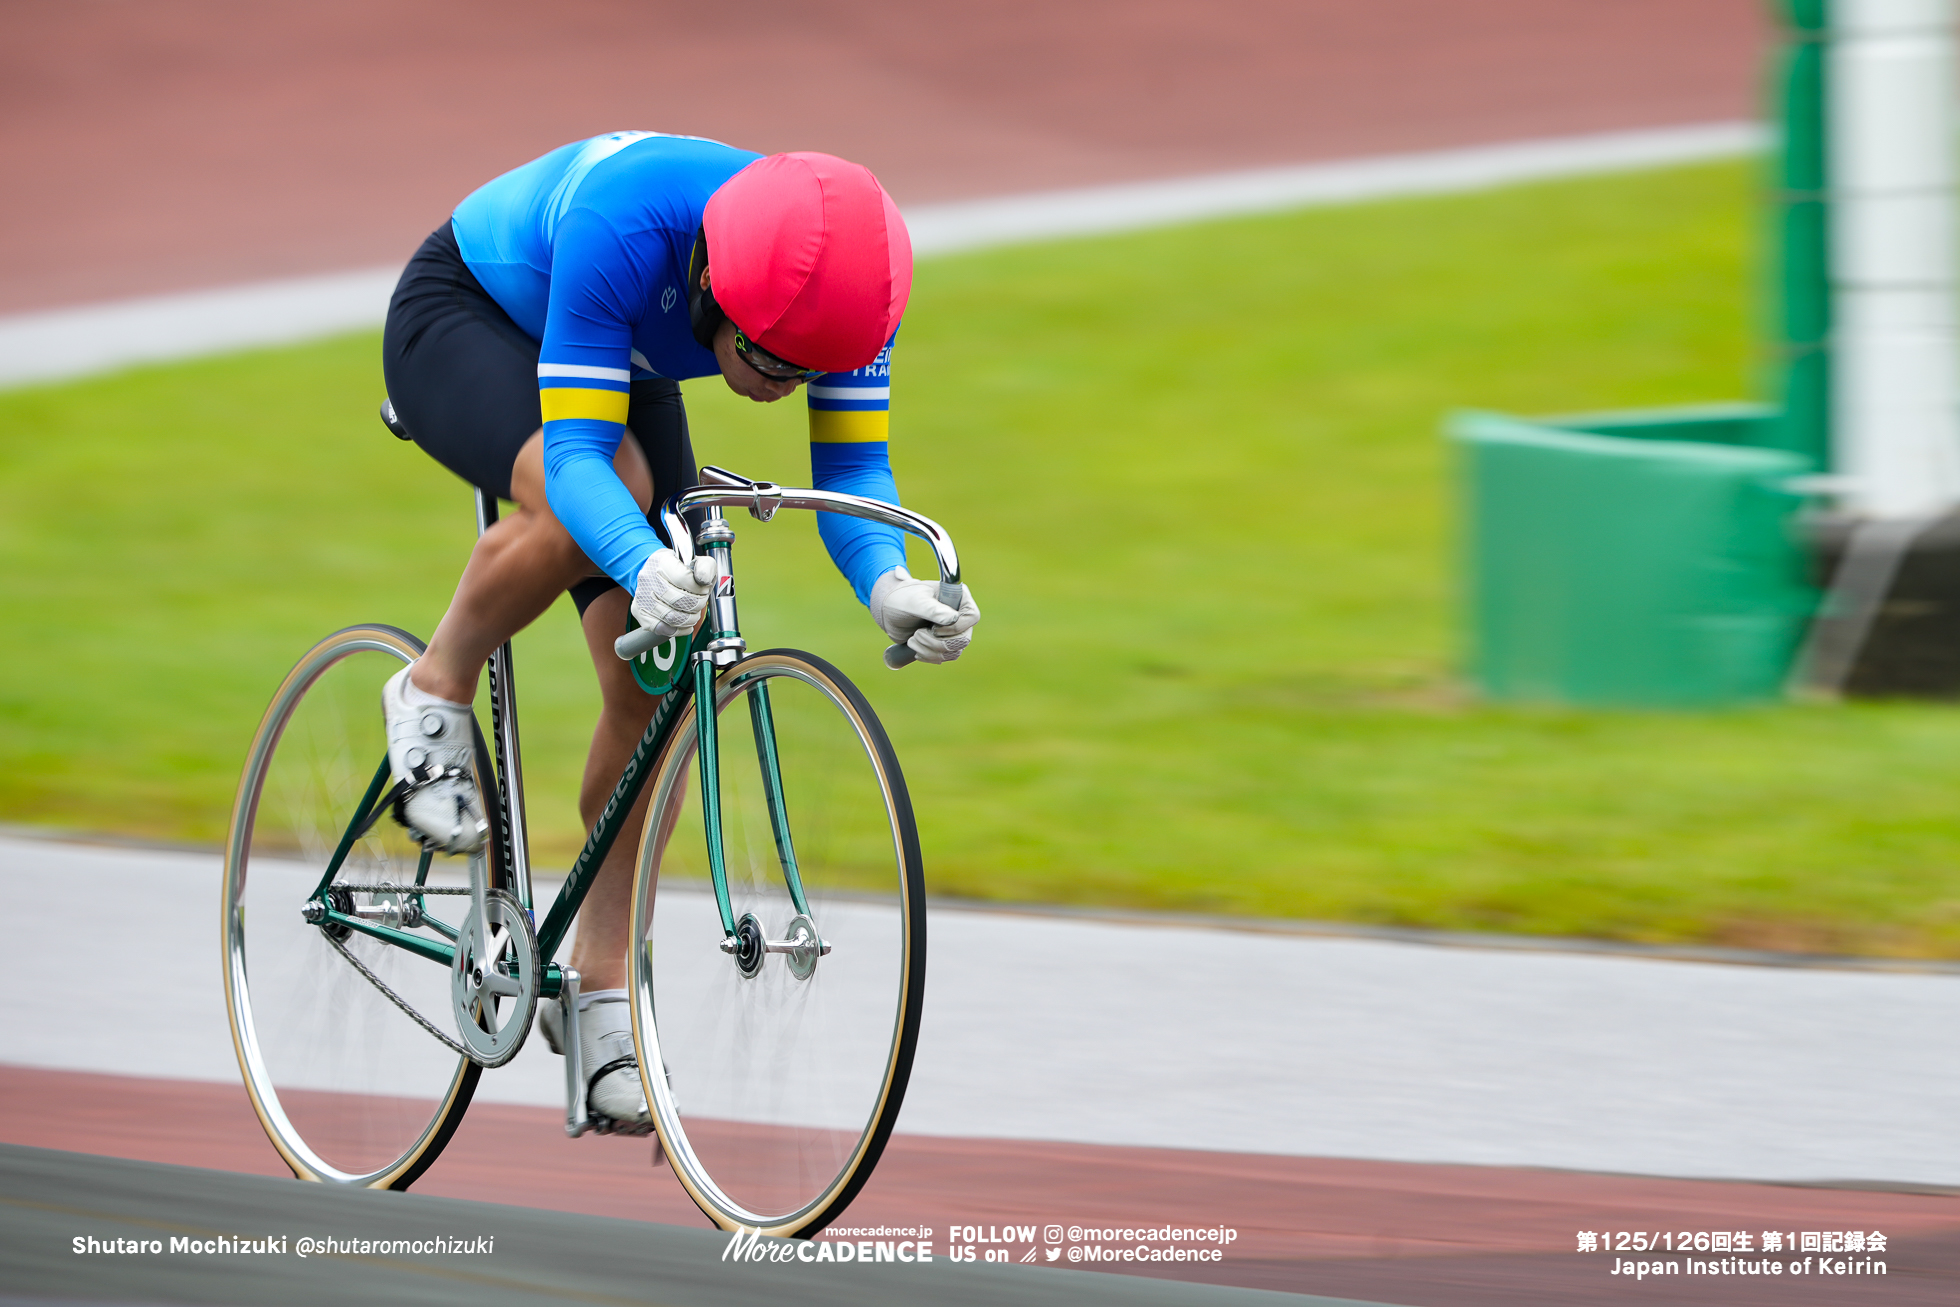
x=1628, y=569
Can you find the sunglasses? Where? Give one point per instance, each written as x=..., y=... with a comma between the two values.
x=767, y=364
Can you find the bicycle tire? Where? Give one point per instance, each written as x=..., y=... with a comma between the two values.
x=348, y=1089
x=778, y=1091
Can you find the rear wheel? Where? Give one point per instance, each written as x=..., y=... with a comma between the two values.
x=785, y=1051
x=349, y=1087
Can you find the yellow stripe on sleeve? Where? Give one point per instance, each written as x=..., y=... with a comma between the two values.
x=564, y=403
x=836, y=427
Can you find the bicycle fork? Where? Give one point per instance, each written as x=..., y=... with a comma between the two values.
x=745, y=940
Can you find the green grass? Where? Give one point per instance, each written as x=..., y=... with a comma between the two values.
x=1197, y=485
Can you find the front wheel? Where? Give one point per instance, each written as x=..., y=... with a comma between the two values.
x=776, y=1060
x=349, y=1087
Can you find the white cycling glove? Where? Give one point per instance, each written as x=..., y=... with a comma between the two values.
x=909, y=611
x=669, y=597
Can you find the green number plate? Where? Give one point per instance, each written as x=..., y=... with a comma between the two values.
x=659, y=667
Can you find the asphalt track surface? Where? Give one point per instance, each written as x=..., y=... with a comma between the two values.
x=51, y=1198
x=175, y=146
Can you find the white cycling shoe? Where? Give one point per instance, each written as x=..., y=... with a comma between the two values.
x=430, y=743
x=605, y=1037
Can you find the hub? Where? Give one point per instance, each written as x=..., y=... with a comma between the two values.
x=803, y=947
x=751, y=946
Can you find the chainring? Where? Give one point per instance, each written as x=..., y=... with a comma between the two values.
x=493, y=983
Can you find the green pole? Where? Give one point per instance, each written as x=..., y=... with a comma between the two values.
x=1800, y=205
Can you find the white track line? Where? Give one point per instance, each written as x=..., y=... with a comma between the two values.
x=91, y=338
x=74, y=342
x=977, y=224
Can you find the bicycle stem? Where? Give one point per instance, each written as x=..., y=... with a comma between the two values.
x=724, y=489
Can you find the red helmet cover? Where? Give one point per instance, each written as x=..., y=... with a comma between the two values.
x=808, y=255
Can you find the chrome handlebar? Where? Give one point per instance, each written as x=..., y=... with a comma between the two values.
x=721, y=488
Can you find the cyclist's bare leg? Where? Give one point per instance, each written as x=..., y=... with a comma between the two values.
x=599, y=950
x=517, y=568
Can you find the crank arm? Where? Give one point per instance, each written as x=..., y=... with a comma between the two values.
x=577, y=1119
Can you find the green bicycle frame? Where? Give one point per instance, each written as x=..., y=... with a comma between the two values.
x=699, y=688
x=612, y=819
x=716, y=643
x=720, y=632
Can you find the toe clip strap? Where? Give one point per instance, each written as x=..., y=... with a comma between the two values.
x=421, y=777
x=605, y=1125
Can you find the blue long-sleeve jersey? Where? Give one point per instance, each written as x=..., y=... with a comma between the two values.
x=587, y=249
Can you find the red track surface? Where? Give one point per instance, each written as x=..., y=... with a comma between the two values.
x=192, y=142
x=1437, y=1236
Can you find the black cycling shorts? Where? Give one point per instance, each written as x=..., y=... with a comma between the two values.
x=464, y=381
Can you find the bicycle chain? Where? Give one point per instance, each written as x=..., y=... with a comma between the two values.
x=454, y=1046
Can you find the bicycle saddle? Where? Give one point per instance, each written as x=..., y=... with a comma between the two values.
x=393, y=419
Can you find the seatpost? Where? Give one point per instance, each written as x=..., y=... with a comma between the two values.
x=503, y=732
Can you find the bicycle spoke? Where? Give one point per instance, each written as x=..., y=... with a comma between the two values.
x=762, y=723
x=785, y=1062
x=340, y=1020
x=358, y=825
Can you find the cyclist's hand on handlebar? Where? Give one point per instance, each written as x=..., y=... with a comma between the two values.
x=910, y=612
x=670, y=597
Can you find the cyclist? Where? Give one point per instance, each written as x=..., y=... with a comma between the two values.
x=548, y=320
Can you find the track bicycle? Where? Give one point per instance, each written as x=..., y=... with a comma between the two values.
x=776, y=978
